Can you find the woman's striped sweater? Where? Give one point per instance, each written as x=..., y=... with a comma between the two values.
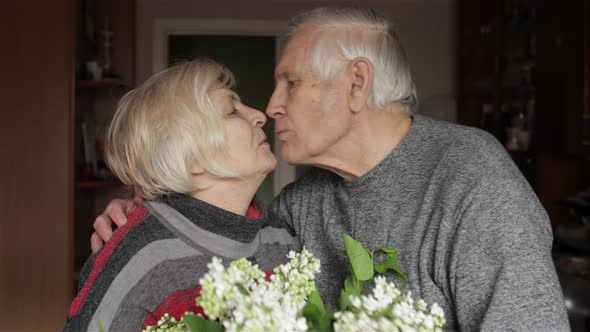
x=152, y=265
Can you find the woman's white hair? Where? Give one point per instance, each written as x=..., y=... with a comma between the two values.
x=167, y=125
x=348, y=33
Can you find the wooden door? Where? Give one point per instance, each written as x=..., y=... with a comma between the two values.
x=35, y=171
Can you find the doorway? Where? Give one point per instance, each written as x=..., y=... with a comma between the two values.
x=250, y=58
x=165, y=29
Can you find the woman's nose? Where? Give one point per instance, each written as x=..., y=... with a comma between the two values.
x=257, y=118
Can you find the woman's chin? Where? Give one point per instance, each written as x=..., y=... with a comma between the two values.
x=269, y=170
x=272, y=164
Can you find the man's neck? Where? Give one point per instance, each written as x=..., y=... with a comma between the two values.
x=373, y=137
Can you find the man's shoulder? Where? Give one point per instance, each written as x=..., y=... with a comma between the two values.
x=465, y=146
x=459, y=135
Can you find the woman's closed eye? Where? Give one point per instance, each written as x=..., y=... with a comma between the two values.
x=234, y=110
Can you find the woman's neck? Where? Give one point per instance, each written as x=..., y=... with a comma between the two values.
x=233, y=195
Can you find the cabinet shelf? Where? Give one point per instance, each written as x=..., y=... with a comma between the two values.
x=104, y=83
x=98, y=184
x=94, y=103
x=518, y=92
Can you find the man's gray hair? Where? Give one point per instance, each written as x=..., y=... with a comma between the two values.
x=348, y=33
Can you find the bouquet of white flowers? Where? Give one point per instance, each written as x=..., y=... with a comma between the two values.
x=239, y=298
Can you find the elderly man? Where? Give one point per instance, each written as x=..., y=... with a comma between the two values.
x=470, y=232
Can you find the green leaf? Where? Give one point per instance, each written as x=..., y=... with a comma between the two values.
x=315, y=312
x=353, y=287
x=314, y=307
x=316, y=299
x=199, y=324
x=390, y=264
x=323, y=325
x=361, y=262
x=388, y=250
x=388, y=312
x=343, y=301
x=243, y=289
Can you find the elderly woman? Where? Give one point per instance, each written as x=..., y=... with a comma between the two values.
x=197, y=155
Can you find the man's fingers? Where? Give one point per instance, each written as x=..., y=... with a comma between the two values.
x=117, y=210
x=118, y=217
x=95, y=242
x=114, y=213
x=137, y=201
x=102, y=227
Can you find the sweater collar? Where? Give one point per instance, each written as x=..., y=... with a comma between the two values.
x=216, y=220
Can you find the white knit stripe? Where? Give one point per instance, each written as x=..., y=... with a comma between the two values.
x=137, y=267
x=218, y=245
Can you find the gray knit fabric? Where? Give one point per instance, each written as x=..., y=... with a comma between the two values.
x=163, y=252
x=471, y=234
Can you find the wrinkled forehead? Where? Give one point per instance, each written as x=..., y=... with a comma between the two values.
x=294, y=55
x=223, y=97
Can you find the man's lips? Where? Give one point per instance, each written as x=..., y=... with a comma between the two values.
x=280, y=133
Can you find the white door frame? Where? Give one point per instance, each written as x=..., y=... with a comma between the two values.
x=164, y=27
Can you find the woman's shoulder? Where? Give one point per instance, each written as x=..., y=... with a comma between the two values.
x=141, y=256
x=123, y=238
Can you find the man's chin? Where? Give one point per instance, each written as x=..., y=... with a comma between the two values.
x=297, y=160
x=290, y=157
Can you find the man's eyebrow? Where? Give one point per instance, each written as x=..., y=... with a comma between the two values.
x=281, y=73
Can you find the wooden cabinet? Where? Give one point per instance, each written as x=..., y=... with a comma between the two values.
x=520, y=65
x=520, y=76
x=560, y=76
x=47, y=208
x=476, y=58
x=105, y=39
x=42, y=197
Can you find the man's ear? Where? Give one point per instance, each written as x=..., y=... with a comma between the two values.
x=361, y=83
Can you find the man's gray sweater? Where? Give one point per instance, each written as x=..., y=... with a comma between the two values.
x=471, y=234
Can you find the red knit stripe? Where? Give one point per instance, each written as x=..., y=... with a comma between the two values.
x=180, y=302
x=176, y=305
x=133, y=220
x=253, y=211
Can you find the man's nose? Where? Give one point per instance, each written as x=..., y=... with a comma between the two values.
x=276, y=107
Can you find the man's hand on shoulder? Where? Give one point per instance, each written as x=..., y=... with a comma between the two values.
x=116, y=211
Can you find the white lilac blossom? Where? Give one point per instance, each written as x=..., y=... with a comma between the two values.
x=220, y=287
x=241, y=300
x=267, y=309
x=297, y=277
x=169, y=324
x=386, y=309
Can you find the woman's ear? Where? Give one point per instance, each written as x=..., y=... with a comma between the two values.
x=197, y=170
x=361, y=83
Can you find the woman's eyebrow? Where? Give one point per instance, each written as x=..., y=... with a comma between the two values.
x=234, y=96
